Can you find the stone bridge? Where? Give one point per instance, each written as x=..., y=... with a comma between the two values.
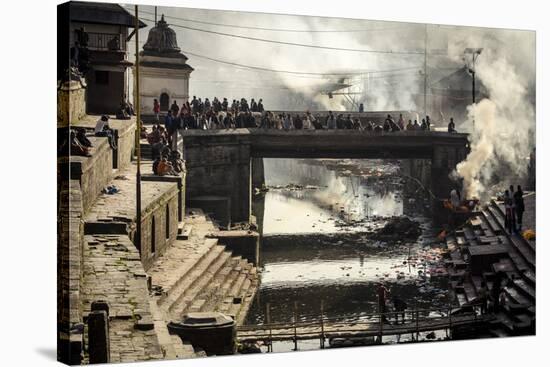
x=221, y=164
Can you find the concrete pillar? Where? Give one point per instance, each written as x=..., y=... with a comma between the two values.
x=444, y=161
x=258, y=175
x=98, y=337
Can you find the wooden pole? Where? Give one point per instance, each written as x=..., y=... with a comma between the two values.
x=268, y=320
x=295, y=319
x=380, y=321
x=416, y=319
x=322, y=327
x=137, y=240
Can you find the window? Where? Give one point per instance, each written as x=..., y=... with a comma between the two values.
x=102, y=77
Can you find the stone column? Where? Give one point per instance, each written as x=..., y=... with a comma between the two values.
x=98, y=333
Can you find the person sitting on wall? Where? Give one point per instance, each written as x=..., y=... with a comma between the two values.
x=424, y=125
x=260, y=106
x=401, y=122
x=76, y=147
x=102, y=129
x=228, y=121
x=409, y=126
x=378, y=129
x=176, y=161
x=82, y=138
x=164, y=167
x=122, y=113
x=451, y=126
x=356, y=124
x=368, y=126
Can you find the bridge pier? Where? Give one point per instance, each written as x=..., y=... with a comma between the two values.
x=219, y=166
x=444, y=161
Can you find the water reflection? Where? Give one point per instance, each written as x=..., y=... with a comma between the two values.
x=317, y=245
x=328, y=197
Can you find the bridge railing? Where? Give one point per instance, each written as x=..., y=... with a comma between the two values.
x=313, y=326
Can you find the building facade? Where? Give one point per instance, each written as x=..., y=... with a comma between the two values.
x=98, y=38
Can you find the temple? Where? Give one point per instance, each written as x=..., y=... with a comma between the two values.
x=164, y=73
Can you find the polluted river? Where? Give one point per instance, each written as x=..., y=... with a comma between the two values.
x=326, y=243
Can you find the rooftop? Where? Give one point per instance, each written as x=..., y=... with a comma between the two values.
x=102, y=13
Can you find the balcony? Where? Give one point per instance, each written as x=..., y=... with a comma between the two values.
x=106, y=42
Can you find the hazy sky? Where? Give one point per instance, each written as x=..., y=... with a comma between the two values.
x=445, y=44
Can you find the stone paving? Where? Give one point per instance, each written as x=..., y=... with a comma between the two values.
x=122, y=205
x=113, y=273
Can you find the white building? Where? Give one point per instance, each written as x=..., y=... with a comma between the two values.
x=164, y=73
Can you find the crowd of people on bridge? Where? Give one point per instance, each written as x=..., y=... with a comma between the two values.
x=207, y=115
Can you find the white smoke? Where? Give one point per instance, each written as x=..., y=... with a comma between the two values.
x=503, y=126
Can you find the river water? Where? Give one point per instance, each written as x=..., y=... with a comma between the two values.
x=317, y=246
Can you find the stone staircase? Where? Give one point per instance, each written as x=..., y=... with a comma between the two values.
x=199, y=274
x=483, y=229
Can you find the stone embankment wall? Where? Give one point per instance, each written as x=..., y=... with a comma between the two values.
x=69, y=270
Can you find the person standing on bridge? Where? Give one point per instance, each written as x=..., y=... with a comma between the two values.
x=225, y=104
x=361, y=107
x=382, y=293
x=330, y=121
x=401, y=122
x=260, y=106
x=451, y=126
x=424, y=125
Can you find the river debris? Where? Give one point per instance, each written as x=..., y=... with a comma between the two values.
x=399, y=228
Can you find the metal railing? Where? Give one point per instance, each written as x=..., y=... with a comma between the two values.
x=106, y=41
x=319, y=326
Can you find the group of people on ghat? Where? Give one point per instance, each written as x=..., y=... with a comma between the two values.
x=166, y=159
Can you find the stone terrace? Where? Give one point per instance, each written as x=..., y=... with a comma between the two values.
x=121, y=207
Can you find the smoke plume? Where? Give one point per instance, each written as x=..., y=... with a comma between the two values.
x=502, y=126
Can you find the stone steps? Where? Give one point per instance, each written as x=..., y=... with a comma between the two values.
x=487, y=228
x=179, y=307
x=216, y=290
x=187, y=273
x=247, y=301
x=235, y=291
x=523, y=247
x=525, y=289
